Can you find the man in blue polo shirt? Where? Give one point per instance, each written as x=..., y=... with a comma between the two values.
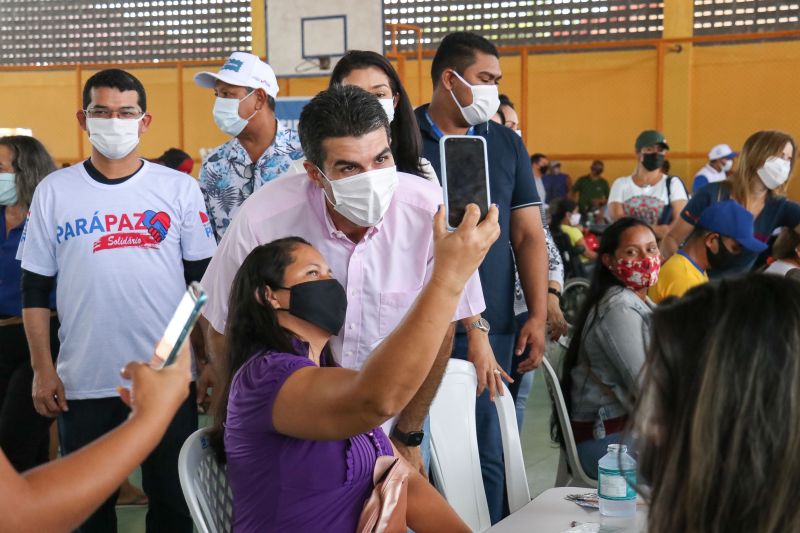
x=465, y=73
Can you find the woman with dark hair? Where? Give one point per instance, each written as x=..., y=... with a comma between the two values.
x=718, y=421
x=24, y=434
x=375, y=74
x=301, y=436
x=607, y=350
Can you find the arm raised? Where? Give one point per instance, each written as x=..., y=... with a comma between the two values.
x=335, y=403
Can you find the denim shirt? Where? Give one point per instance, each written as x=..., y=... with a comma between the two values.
x=614, y=342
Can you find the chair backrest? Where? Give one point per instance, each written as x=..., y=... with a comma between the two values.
x=578, y=478
x=205, y=485
x=519, y=494
x=455, y=465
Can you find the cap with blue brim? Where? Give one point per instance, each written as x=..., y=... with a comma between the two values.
x=730, y=219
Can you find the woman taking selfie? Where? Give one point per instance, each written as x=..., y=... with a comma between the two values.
x=607, y=351
x=301, y=436
x=759, y=184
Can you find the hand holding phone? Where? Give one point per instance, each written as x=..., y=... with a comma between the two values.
x=465, y=176
x=180, y=326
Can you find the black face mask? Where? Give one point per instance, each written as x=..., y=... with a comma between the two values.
x=543, y=169
x=721, y=260
x=322, y=303
x=653, y=161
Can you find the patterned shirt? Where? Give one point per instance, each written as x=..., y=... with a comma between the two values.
x=228, y=176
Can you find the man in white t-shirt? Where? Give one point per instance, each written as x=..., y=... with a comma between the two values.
x=123, y=237
x=648, y=194
x=720, y=162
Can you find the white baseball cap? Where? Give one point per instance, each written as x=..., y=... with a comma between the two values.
x=721, y=151
x=243, y=70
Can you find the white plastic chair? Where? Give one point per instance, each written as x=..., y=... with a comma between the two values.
x=455, y=463
x=519, y=494
x=578, y=478
x=205, y=485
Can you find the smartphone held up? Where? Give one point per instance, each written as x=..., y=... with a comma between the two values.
x=180, y=326
x=465, y=176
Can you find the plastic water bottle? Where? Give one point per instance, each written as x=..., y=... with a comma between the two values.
x=616, y=482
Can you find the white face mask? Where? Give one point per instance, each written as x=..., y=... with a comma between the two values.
x=114, y=137
x=364, y=198
x=485, y=102
x=226, y=115
x=388, y=106
x=8, y=188
x=727, y=165
x=775, y=172
x=574, y=219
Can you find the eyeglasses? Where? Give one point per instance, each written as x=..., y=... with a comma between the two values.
x=126, y=113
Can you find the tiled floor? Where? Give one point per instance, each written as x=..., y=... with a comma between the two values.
x=541, y=455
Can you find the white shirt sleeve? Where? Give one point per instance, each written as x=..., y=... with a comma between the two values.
x=616, y=193
x=677, y=190
x=234, y=247
x=197, y=235
x=37, y=246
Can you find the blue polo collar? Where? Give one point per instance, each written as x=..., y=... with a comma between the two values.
x=438, y=133
x=684, y=254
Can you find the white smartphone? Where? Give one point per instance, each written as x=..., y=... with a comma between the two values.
x=465, y=176
x=181, y=324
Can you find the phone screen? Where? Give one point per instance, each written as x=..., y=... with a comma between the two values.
x=181, y=323
x=464, y=166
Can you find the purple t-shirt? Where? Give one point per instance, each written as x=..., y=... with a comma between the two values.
x=281, y=483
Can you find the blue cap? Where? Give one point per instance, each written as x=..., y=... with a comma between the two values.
x=730, y=219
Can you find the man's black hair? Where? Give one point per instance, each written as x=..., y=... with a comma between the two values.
x=339, y=111
x=457, y=51
x=116, y=79
x=535, y=158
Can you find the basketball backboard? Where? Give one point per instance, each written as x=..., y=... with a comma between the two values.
x=307, y=37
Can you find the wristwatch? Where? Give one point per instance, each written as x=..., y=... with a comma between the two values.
x=481, y=324
x=412, y=438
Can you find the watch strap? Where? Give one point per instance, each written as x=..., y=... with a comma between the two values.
x=412, y=438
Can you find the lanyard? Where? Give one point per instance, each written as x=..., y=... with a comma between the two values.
x=438, y=133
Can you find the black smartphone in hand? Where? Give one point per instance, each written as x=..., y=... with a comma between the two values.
x=465, y=176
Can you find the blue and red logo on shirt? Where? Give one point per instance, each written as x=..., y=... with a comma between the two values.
x=206, y=224
x=155, y=225
x=138, y=230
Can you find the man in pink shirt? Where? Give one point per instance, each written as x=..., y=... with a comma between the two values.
x=372, y=224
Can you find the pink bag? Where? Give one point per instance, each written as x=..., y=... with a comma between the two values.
x=385, y=509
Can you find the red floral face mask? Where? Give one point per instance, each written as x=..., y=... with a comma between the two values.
x=637, y=274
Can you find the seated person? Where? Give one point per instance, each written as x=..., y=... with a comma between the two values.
x=567, y=218
x=607, y=350
x=723, y=231
x=717, y=419
x=785, y=252
x=301, y=435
